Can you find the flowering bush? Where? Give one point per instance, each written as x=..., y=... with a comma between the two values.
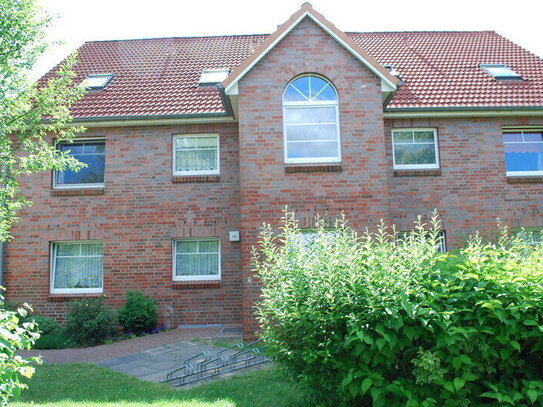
x=375, y=320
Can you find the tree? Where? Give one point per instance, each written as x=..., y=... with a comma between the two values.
x=30, y=111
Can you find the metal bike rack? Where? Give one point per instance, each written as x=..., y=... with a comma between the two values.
x=204, y=365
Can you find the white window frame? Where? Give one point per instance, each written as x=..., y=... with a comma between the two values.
x=195, y=278
x=416, y=166
x=52, y=270
x=521, y=173
x=306, y=104
x=80, y=186
x=204, y=172
x=488, y=68
x=443, y=240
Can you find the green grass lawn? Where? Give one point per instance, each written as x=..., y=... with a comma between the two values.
x=84, y=384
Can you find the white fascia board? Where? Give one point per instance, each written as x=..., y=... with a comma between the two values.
x=386, y=84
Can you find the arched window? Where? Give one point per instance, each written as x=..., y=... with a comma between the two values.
x=311, y=121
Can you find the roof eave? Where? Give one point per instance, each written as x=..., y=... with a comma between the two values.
x=463, y=111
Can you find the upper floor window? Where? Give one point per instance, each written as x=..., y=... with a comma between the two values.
x=500, y=71
x=196, y=154
x=97, y=82
x=311, y=121
x=90, y=152
x=523, y=153
x=415, y=149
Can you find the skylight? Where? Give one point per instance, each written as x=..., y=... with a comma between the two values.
x=391, y=69
x=97, y=82
x=500, y=71
x=213, y=76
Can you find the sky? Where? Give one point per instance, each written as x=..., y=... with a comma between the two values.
x=76, y=21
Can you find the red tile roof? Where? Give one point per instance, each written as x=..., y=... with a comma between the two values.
x=157, y=77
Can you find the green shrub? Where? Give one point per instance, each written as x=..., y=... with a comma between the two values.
x=54, y=340
x=90, y=321
x=374, y=320
x=138, y=314
x=14, y=336
x=45, y=325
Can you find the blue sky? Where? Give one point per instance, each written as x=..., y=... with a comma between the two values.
x=78, y=21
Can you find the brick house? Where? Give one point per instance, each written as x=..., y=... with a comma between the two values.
x=193, y=143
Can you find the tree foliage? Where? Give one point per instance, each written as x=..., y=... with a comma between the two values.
x=14, y=336
x=28, y=112
x=379, y=320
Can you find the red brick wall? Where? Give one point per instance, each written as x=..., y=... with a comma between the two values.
x=359, y=190
x=139, y=213
x=472, y=190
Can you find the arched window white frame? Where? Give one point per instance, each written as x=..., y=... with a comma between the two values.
x=311, y=121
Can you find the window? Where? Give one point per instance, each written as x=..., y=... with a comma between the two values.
x=213, y=76
x=196, y=259
x=391, y=69
x=196, y=154
x=97, y=82
x=531, y=237
x=90, y=152
x=523, y=153
x=76, y=267
x=415, y=148
x=499, y=71
x=442, y=240
x=311, y=121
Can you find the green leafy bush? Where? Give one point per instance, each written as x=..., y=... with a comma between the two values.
x=374, y=320
x=90, y=321
x=45, y=325
x=138, y=314
x=14, y=336
x=52, y=336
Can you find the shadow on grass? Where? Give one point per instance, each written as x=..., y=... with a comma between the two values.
x=83, y=384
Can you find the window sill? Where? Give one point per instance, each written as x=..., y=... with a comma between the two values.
x=77, y=191
x=178, y=179
x=418, y=173
x=296, y=168
x=192, y=285
x=534, y=179
x=71, y=297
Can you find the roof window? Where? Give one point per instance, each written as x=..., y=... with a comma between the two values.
x=97, y=82
x=500, y=71
x=213, y=76
x=391, y=70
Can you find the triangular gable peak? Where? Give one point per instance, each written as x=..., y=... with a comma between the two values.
x=388, y=82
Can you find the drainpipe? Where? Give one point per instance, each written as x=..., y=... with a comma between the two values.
x=3, y=244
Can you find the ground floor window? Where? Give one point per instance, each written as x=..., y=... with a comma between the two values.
x=530, y=236
x=77, y=267
x=441, y=243
x=196, y=259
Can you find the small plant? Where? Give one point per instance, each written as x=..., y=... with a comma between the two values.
x=90, y=321
x=45, y=325
x=138, y=314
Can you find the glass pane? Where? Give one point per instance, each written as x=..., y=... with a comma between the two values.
x=533, y=137
x=91, y=249
x=524, y=156
x=185, y=142
x=196, y=160
x=187, y=265
x=302, y=84
x=312, y=149
x=78, y=272
x=424, y=136
x=512, y=137
x=403, y=137
x=74, y=148
x=91, y=154
x=308, y=115
x=321, y=88
x=206, y=142
x=187, y=246
x=292, y=95
x=406, y=154
x=209, y=265
x=208, y=246
x=311, y=132
x=67, y=249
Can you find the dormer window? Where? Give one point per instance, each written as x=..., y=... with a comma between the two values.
x=97, y=82
x=500, y=71
x=213, y=76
